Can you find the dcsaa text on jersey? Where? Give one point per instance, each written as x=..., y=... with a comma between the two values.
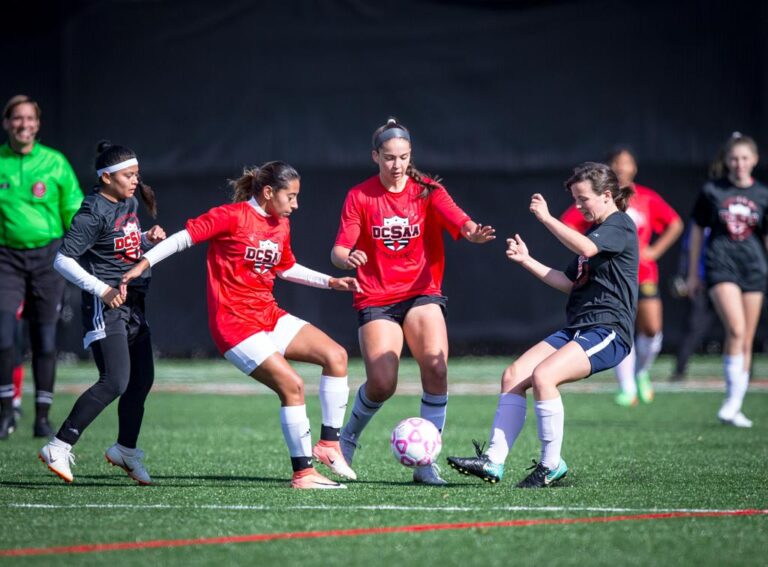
x=396, y=233
x=265, y=257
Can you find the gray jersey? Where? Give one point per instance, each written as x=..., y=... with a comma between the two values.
x=605, y=286
x=105, y=239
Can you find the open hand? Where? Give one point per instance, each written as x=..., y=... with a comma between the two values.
x=481, y=234
x=132, y=274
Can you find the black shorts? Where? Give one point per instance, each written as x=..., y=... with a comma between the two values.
x=100, y=321
x=397, y=311
x=648, y=290
x=28, y=276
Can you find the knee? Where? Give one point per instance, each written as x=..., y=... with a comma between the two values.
x=512, y=381
x=541, y=381
x=380, y=391
x=335, y=361
x=114, y=385
x=435, y=369
x=291, y=391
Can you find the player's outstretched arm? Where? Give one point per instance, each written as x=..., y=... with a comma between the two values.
x=570, y=238
x=517, y=251
x=174, y=243
x=302, y=275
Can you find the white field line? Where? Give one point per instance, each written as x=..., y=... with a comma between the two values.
x=379, y=508
x=411, y=388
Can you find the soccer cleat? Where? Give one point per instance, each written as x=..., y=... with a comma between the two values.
x=541, y=477
x=644, y=387
x=479, y=466
x=42, y=428
x=625, y=399
x=429, y=475
x=738, y=420
x=329, y=453
x=311, y=479
x=130, y=463
x=58, y=456
x=348, y=446
x=7, y=425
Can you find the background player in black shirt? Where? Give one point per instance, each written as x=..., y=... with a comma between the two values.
x=104, y=242
x=602, y=303
x=733, y=205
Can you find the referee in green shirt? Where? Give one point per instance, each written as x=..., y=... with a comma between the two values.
x=39, y=195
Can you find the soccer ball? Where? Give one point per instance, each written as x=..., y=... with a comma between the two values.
x=415, y=442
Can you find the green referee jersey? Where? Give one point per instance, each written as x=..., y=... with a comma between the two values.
x=39, y=195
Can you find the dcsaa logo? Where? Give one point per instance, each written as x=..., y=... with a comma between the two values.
x=265, y=257
x=396, y=233
x=130, y=243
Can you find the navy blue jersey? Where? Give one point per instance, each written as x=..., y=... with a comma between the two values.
x=105, y=239
x=605, y=286
x=737, y=218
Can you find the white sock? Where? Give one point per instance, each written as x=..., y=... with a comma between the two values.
x=736, y=381
x=550, y=416
x=648, y=349
x=507, y=424
x=625, y=374
x=433, y=408
x=362, y=411
x=295, y=425
x=59, y=443
x=334, y=393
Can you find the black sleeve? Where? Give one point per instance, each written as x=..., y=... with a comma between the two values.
x=82, y=233
x=702, y=210
x=611, y=236
x=572, y=269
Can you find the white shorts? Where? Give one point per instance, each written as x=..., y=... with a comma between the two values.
x=249, y=354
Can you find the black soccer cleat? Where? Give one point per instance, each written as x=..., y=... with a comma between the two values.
x=541, y=477
x=42, y=428
x=7, y=425
x=479, y=466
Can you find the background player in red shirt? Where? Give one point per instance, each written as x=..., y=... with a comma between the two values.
x=249, y=244
x=652, y=215
x=734, y=205
x=391, y=231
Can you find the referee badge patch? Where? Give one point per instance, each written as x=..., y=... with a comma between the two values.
x=39, y=189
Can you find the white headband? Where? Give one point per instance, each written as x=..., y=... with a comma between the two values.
x=117, y=166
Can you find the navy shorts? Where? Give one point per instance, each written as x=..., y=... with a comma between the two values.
x=604, y=347
x=396, y=312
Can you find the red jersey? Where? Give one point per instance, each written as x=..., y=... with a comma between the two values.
x=245, y=251
x=651, y=214
x=401, y=233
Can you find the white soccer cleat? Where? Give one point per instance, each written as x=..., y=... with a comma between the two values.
x=329, y=453
x=58, y=457
x=130, y=462
x=428, y=474
x=738, y=420
x=348, y=446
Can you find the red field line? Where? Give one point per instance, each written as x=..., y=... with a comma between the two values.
x=164, y=543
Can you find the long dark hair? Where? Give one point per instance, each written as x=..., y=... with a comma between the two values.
x=277, y=174
x=718, y=169
x=377, y=141
x=108, y=154
x=602, y=179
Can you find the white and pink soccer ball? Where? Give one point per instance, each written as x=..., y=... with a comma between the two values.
x=415, y=442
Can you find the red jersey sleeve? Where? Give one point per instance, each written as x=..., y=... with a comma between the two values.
x=287, y=260
x=662, y=214
x=215, y=222
x=350, y=224
x=451, y=216
x=574, y=219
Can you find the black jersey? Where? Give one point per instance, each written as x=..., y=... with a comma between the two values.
x=105, y=239
x=737, y=217
x=605, y=286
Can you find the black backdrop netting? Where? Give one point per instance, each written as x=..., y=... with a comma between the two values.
x=502, y=99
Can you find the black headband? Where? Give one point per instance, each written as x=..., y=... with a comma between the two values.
x=388, y=134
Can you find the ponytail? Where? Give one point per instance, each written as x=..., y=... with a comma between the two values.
x=276, y=174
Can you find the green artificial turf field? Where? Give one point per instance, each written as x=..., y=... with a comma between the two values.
x=651, y=485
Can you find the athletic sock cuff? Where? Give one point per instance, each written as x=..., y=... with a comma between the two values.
x=510, y=399
x=293, y=414
x=334, y=384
